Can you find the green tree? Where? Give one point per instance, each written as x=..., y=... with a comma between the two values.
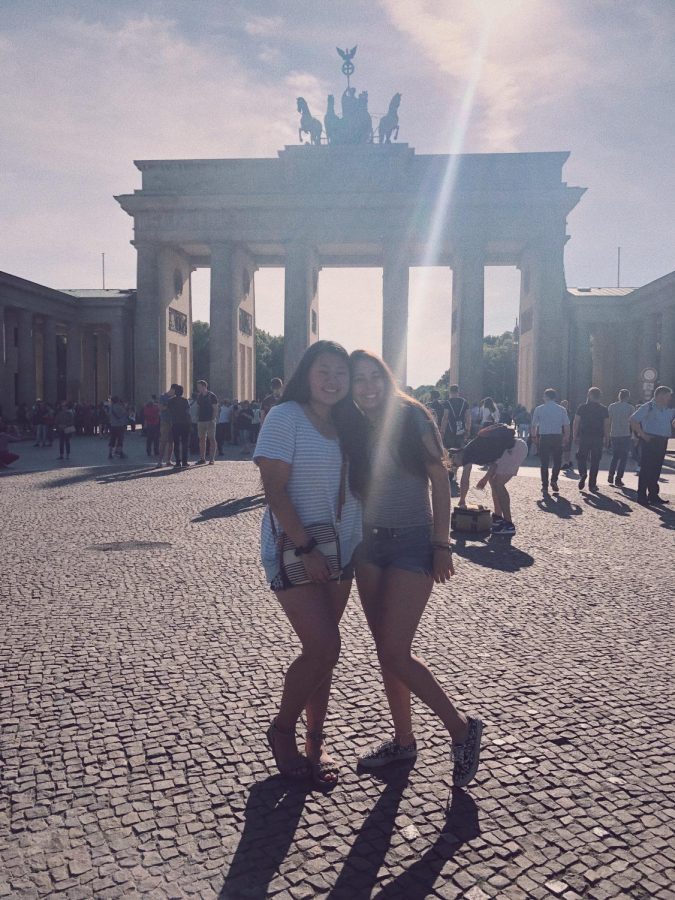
x=500, y=368
x=200, y=351
x=269, y=360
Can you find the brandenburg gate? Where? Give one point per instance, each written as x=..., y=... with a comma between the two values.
x=347, y=203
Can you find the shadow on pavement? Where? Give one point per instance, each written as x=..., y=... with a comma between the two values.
x=559, y=506
x=229, y=508
x=607, y=504
x=461, y=825
x=495, y=553
x=358, y=875
x=272, y=814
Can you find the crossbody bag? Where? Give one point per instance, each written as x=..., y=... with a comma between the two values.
x=324, y=533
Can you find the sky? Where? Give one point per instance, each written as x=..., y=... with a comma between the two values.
x=87, y=86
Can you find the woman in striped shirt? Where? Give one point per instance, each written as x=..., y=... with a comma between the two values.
x=300, y=453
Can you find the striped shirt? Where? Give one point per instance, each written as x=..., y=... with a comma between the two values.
x=314, y=484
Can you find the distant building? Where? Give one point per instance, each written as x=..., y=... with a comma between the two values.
x=619, y=335
x=64, y=344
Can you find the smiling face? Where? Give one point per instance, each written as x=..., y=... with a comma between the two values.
x=369, y=386
x=328, y=379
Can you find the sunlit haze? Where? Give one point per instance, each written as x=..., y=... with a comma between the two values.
x=90, y=86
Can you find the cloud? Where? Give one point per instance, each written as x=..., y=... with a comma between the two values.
x=523, y=54
x=263, y=26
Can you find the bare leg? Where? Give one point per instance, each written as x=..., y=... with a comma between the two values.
x=464, y=484
x=370, y=581
x=406, y=596
x=501, y=495
x=495, y=499
x=314, y=612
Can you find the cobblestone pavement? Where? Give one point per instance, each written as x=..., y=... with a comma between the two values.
x=142, y=657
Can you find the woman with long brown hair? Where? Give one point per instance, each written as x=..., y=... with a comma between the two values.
x=405, y=550
x=309, y=533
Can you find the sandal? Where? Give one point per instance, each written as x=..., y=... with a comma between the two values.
x=297, y=770
x=322, y=771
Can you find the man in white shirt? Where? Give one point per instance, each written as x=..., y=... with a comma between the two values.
x=223, y=426
x=619, y=436
x=550, y=429
x=653, y=424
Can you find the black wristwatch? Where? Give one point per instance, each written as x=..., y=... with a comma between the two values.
x=309, y=546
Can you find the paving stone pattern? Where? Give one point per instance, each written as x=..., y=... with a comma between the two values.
x=142, y=656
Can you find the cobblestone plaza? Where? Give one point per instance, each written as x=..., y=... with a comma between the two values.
x=142, y=656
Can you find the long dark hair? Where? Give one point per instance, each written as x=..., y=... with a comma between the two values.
x=346, y=416
x=403, y=433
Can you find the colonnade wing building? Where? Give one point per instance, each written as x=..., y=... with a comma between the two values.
x=372, y=205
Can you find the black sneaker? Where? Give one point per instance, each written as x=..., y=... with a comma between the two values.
x=619, y=483
x=201, y=461
x=496, y=518
x=386, y=753
x=610, y=479
x=554, y=487
x=466, y=756
x=582, y=484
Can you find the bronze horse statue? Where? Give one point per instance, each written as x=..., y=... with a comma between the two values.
x=389, y=122
x=308, y=124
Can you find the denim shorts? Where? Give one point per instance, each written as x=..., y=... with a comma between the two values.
x=407, y=548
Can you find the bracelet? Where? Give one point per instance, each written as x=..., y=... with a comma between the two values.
x=309, y=546
x=439, y=546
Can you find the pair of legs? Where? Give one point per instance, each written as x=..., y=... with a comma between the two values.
x=64, y=444
x=165, y=442
x=550, y=451
x=393, y=601
x=116, y=441
x=464, y=484
x=652, y=454
x=314, y=611
x=152, y=439
x=207, y=432
x=592, y=449
x=620, y=451
x=181, y=441
x=501, y=497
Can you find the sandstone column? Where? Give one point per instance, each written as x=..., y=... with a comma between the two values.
x=543, y=303
x=49, y=359
x=223, y=325
x=466, y=353
x=6, y=398
x=26, y=358
x=118, y=361
x=301, y=305
x=149, y=324
x=667, y=365
x=395, y=284
x=73, y=361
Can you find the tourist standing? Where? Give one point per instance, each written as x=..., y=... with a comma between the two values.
x=244, y=426
x=272, y=399
x=207, y=406
x=165, y=427
x=119, y=419
x=223, y=426
x=304, y=473
x=436, y=407
x=405, y=550
x=455, y=424
x=550, y=431
x=181, y=426
x=591, y=432
x=64, y=422
x=619, y=436
x=151, y=424
x=653, y=422
x=489, y=414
